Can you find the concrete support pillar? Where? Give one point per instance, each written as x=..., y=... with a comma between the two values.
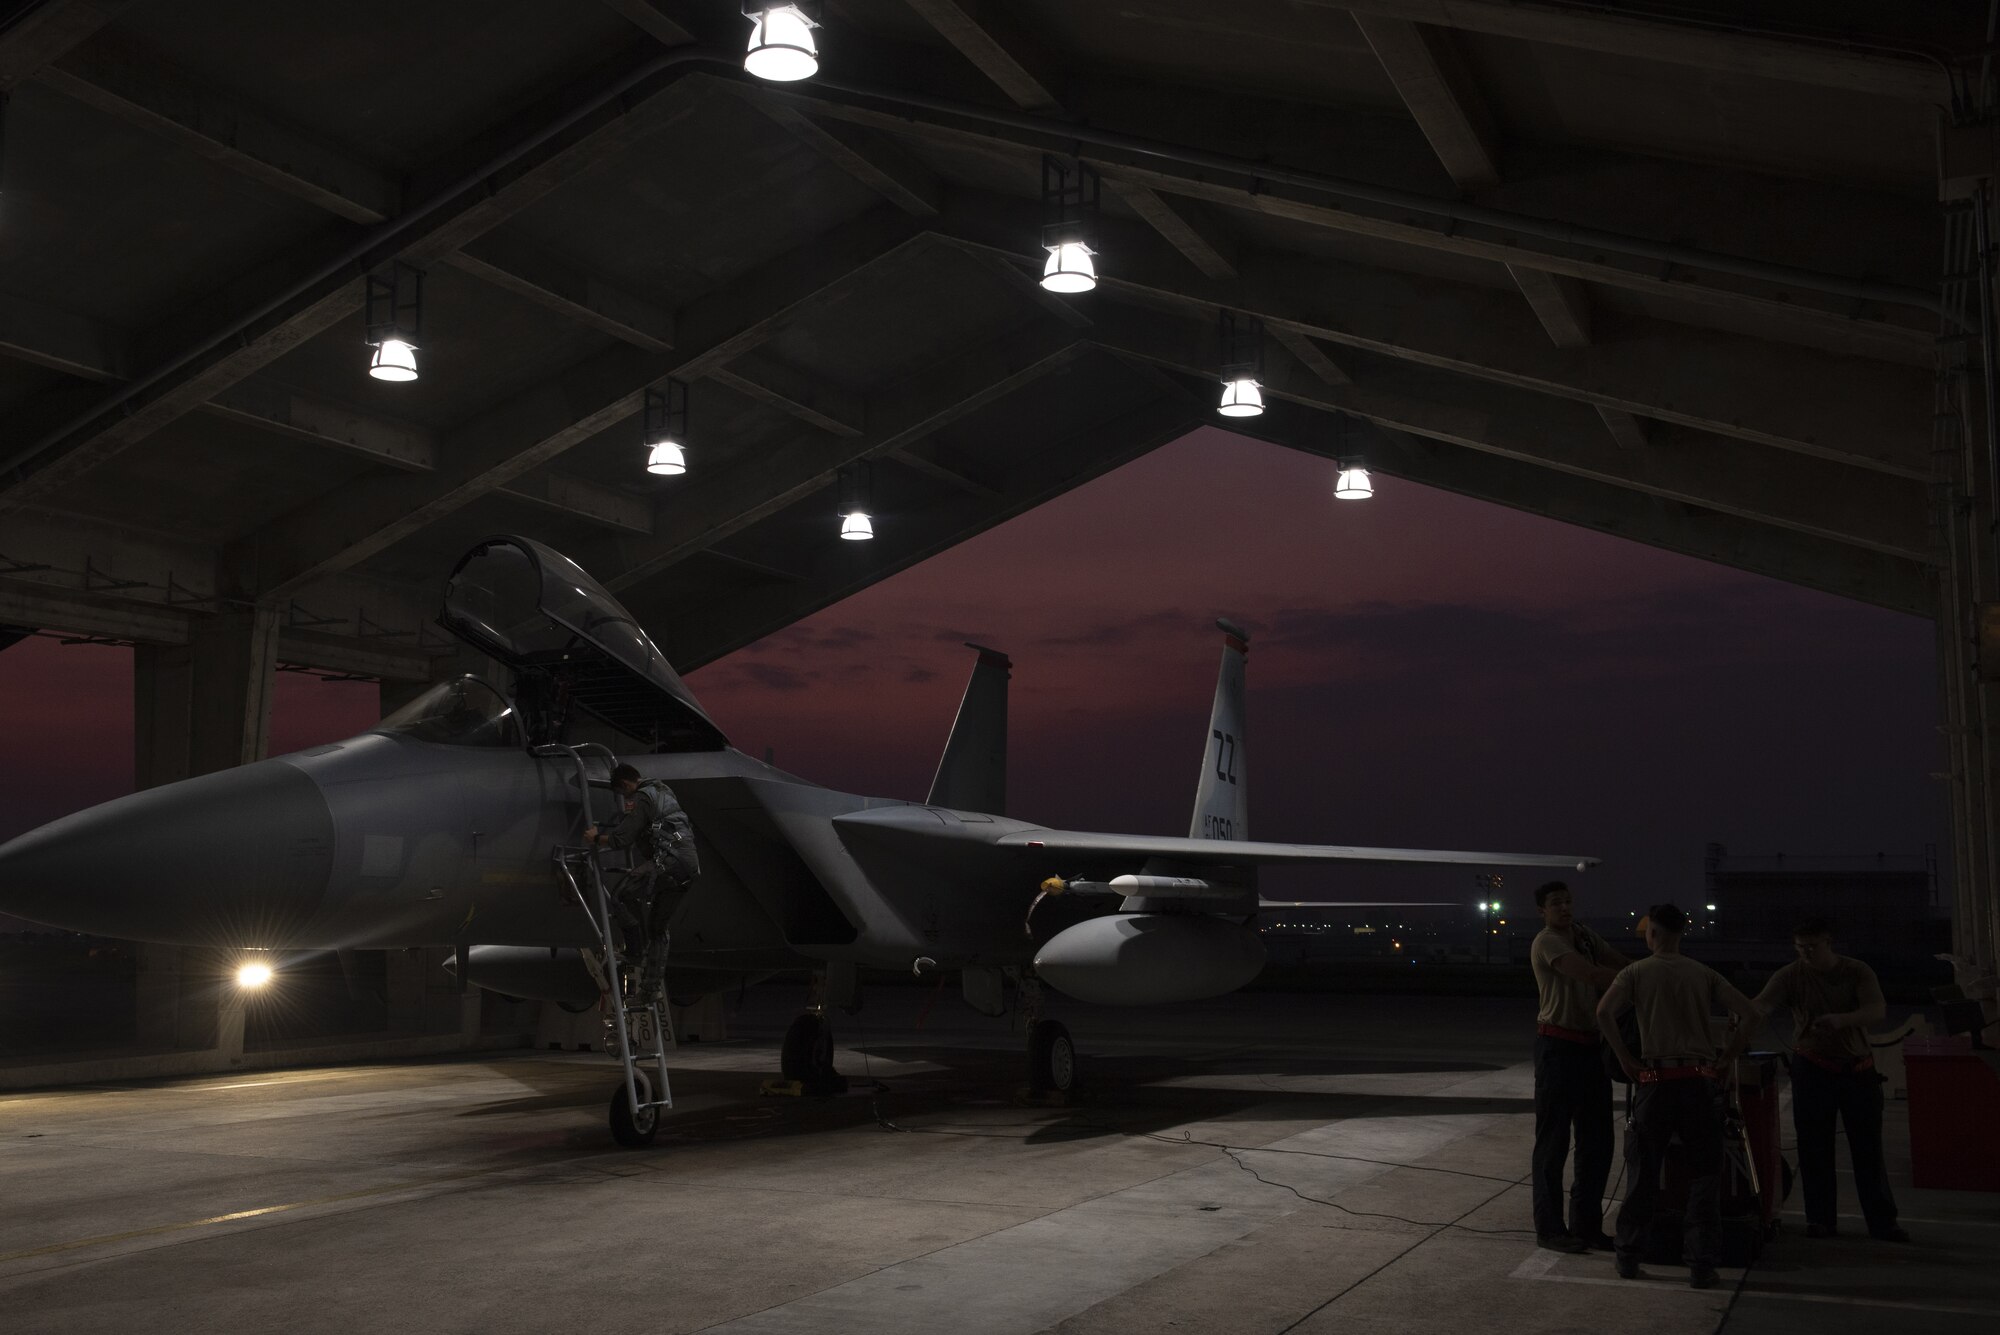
x=1967, y=522
x=197, y=707
x=235, y=659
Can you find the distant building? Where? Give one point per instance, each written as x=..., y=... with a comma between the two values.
x=1884, y=906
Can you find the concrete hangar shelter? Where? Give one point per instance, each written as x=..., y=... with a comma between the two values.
x=1714, y=276
x=1717, y=279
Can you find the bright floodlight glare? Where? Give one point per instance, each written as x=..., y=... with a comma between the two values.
x=781, y=46
x=1353, y=485
x=394, y=360
x=253, y=975
x=667, y=458
x=855, y=526
x=1069, y=268
x=1241, y=398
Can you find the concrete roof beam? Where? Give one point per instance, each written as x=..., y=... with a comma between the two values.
x=1708, y=47
x=918, y=406
x=135, y=85
x=1832, y=501
x=525, y=269
x=1843, y=409
x=794, y=391
x=988, y=36
x=1431, y=77
x=294, y=297
x=524, y=433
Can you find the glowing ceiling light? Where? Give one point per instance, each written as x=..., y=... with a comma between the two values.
x=667, y=459
x=1071, y=195
x=1353, y=485
x=781, y=43
x=856, y=490
x=663, y=426
x=395, y=316
x=394, y=359
x=253, y=975
x=1069, y=268
x=1242, y=397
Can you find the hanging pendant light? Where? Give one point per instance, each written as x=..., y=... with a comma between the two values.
x=1241, y=364
x=856, y=505
x=1069, y=225
x=395, y=319
x=1352, y=484
x=394, y=359
x=664, y=429
x=1069, y=268
x=1241, y=398
x=782, y=49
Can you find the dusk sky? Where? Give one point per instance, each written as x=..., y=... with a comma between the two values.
x=1425, y=670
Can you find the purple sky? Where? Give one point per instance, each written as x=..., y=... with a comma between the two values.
x=1425, y=670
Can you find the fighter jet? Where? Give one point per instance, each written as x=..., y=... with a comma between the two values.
x=457, y=821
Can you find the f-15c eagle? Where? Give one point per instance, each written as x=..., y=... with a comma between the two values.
x=457, y=821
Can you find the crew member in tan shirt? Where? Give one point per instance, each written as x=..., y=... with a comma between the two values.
x=1572, y=1089
x=1678, y=1089
x=1832, y=999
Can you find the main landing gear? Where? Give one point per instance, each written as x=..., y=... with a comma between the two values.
x=1051, y=1051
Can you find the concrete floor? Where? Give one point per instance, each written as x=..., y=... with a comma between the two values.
x=1372, y=1181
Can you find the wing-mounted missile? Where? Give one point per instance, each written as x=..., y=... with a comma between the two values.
x=570, y=643
x=1135, y=886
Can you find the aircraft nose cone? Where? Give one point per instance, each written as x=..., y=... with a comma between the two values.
x=238, y=858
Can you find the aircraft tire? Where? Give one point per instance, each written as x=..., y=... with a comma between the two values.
x=632, y=1134
x=1051, y=1058
x=807, y=1055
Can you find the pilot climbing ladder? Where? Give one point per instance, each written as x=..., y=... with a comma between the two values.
x=637, y=1026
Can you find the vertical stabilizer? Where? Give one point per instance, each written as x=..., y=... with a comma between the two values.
x=1220, y=808
x=973, y=774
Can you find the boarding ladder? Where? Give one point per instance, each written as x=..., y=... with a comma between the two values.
x=637, y=1028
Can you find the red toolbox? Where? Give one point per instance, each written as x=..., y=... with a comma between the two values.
x=1954, y=1106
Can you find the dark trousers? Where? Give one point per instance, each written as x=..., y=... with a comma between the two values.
x=644, y=901
x=1855, y=1097
x=1572, y=1092
x=1692, y=1109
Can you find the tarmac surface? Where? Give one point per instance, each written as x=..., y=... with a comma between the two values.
x=1264, y=1163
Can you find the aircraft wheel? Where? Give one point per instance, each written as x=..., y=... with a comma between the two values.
x=1051, y=1058
x=808, y=1052
x=633, y=1133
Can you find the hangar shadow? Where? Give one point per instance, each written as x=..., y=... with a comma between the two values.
x=1118, y=1095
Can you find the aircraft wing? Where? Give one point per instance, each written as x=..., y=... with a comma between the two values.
x=1244, y=852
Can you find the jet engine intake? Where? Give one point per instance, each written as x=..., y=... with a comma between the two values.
x=1146, y=959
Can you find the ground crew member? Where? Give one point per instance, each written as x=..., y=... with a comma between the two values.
x=1572, y=1089
x=1678, y=1087
x=1832, y=999
x=644, y=900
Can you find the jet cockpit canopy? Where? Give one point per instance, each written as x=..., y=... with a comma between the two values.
x=570, y=643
